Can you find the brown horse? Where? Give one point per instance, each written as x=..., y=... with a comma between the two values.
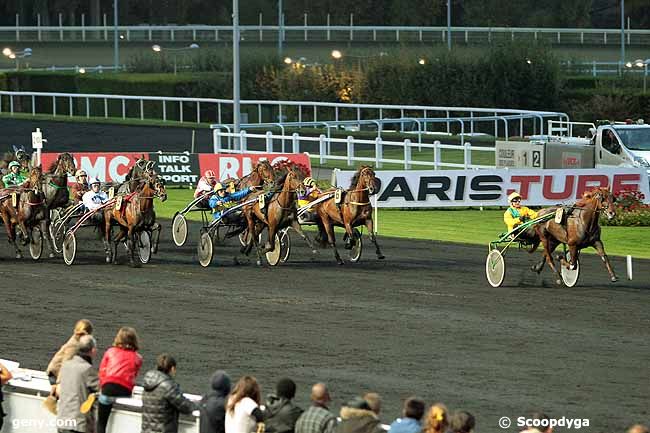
x=28, y=212
x=55, y=187
x=355, y=210
x=262, y=174
x=278, y=212
x=19, y=154
x=580, y=230
x=135, y=215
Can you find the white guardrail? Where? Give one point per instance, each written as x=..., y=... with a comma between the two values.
x=325, y=33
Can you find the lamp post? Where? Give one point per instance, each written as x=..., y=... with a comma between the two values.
x=116, y=44
x=17, y=55
x=640, y=63
x=174, y=51
x=235, y=68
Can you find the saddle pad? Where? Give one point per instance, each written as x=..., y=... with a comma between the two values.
x=14, y=199
x=118, y=202
x=261, y=200
x=338, y=196
x=559, y=215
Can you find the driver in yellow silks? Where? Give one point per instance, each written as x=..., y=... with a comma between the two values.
x=516, y=213
x=311, y=193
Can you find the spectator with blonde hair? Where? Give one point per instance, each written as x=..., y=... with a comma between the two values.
x=412, y=414
x=243, y=408
x=374, y=401
x=117, y=372
x=437, y=419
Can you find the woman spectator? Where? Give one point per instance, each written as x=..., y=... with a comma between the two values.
x=162, y=400
x=437, y=419
x=5, y=376
x=117, y=372
x=242, y=410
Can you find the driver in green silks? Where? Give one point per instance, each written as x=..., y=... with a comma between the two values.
x=516, y=213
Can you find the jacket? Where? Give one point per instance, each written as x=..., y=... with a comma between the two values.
x=77, y=380
x=405, y=425
x=14, y=179
x=358, y=421
x=213, y=404
x=202, y=187
x=162, y=401
x=513, y=217
x=94, y=200
x=77, y=191
x=216, y=201
x=66, y=352
x=281, y=415
x=120, y=366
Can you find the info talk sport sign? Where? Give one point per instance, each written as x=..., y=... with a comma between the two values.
x=462, y=188
x=175, y=168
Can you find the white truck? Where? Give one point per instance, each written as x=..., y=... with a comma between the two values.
x=605, y=144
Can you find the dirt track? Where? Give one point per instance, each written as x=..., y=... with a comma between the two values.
x=422, y=322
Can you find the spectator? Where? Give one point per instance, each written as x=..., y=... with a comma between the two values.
x=65, y=352
x=242, y=410
x=462, y=422
x=5, y=376
x=357, y=417
x=412, y=413
x=544, y=424
x=281, y=413
x=213, y=404
x=162, y=400
x=317, y=418
x=437, y=419
x=117, y=372
x=77, y=380
x=374, y=401
x=638, y=428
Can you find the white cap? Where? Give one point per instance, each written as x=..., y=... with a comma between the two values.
x=93, y=180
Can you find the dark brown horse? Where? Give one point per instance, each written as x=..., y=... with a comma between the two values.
x=278, y=212
x=135, y=215
x=24, y=208
x=580, y=229
x=55, y=187
x=262, y=174
x=19, y=154
x=354, y=210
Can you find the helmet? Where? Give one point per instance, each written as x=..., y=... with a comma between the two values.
x=513, y=195
x=14, y=164
x=309, y=181
x=219, y=187
x=209, y=174
x=80, y=172
x=94, y=180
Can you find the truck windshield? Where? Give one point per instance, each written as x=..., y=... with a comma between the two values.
x=635, y=138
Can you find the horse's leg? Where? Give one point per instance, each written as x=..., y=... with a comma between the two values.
x=11, y=234
x=373, y=238
x=549, y=246
x=156, y=228
x=296, y=226
x=45, y=228
x=108, y=248
x=600, y=250
x=329, y=229
x=347, y=224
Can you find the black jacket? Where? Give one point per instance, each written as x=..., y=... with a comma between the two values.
x=358, y=421
x=213, y=404
x=280, y=415
x=162, y=401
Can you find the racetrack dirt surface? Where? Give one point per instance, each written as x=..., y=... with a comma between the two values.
x=424, y=321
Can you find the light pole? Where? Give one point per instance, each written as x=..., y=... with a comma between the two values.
x=640, y=63
x=280, y=28
x=116, y=44
x=235, y=66
x=17, y=55
x=174, y=51
x=622, y=32
x=449, y=25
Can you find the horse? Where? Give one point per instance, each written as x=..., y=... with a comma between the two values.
x=135, y=215
x=28, y=211
x=580, y=230
x=262, y=174
x=55, y=187
x=278, y=212
x=19, y=154
x=355, y=210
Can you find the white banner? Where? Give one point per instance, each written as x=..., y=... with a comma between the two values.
x=447, y=188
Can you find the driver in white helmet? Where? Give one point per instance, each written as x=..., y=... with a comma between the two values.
x=94, y=198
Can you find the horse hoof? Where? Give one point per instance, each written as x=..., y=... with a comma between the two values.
x=341, y=263
x=614, y=279
x=108, y=259
x=381, y=257
x=19, y=256
x=558, y=281
x=259, y=263
x=314, y=252
x=51, y=255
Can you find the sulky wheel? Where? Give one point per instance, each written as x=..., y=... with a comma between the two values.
x=357, y=246
x=205, y=249
x=143, y=244
x=69, y=248
x=285, y=244
x=495, y=268
x=570, y=276
x=179, y=229
x=273, y=257
x=36, y=244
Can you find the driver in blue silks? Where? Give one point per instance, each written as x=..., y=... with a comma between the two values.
x=223, y=200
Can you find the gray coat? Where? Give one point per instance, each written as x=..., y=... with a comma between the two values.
x=162, y=401
x=77, y=379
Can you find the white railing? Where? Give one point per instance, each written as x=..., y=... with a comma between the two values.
x=338, y=33
x=350, y=150
x=197, y=110
x=596, y=68
x=79, y=69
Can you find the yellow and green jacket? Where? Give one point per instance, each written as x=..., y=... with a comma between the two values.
x=513, y=217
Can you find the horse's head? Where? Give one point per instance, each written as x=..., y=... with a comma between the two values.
x=365, y=178
x=265, y=171
x=23, y=158
x=65, y=164
x=603, y=201
x=159, y=187
x=293, y=181
x=36, y=177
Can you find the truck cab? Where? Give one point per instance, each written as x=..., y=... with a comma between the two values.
x=623, y=144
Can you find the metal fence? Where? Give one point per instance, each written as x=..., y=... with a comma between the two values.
x=323, y=33
x=595, y=68
x=456, y=120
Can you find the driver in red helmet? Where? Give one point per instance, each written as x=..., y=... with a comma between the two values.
x=206, y=185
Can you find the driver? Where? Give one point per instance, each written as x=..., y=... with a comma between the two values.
x=516, y=213
x=14, y=177
x=94, y=198
x=80, y=186
x=311, y=193
x=223, y=200
x=206, y=183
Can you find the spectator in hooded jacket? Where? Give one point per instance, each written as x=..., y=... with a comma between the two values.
x=281, y=413
x=357, y=417
x=117, y=372
x=77, y=380
x=317, y=418
x=5, y=376
x=163, y=400
x=374, y=401
x=213, y=404
x=412, y=413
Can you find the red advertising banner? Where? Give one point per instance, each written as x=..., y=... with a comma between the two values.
x=237, y=165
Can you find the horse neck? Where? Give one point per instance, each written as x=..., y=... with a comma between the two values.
x=359, y=193
x=147, y=193
x=286, y=196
